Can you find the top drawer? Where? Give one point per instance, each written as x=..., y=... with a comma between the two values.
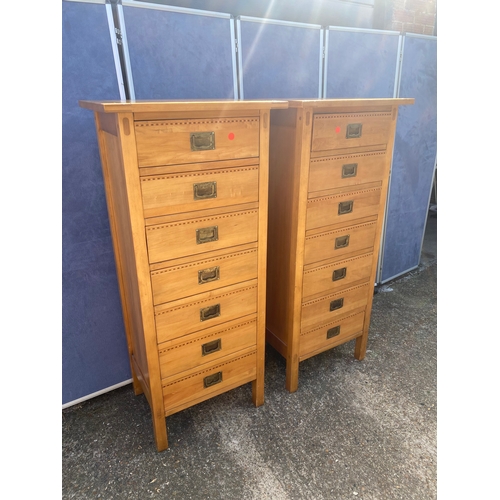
x=189, y=141
x=333, y=131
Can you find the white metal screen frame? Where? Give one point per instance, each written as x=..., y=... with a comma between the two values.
x=280, y=23
x=179, y=10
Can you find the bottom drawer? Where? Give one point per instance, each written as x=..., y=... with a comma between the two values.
x=327, y=336
x=195, y=386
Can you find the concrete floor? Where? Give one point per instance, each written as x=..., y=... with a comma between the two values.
x=354, y=429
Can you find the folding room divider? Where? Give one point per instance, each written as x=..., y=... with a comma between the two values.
x=119, y=49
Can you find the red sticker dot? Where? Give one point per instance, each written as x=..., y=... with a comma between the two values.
x=230, y=136
x=337, y=130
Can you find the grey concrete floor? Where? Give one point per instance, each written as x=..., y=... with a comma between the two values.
x=353, y=430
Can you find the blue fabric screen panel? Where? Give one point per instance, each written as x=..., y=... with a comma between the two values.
x=279, y=61
x=176, y=55
x=94, y=349
x=361, y=64
x=414, y=159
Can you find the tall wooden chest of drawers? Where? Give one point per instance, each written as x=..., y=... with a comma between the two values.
x=329, y=170
x=187, y=193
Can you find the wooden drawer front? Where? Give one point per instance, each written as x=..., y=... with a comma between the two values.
x=331, y=334
x=196, y=386
x=338, y=275
x=213, y=308
x=344, y=207
x=346, y=170
x=176, y=193
x=195, y=236
x=188, y=279
x=318, y=311
x=350, y=130
x=189, y=141
x=340, y=242
x=197, y=349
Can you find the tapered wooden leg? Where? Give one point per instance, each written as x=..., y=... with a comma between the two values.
x=360, y=348
x=292, y=374
x=160, y=432
x=258, y=383
x=258, y=391
x=136, y=385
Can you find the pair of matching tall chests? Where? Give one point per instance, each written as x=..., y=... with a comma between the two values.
x=240, y=222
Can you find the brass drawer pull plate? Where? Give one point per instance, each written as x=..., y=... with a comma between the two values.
x=353, y=130
x=216, y=378
x=333, y=332
x=209, y=274
x=336, y=304
x=207, y=234
x=210, y=347
x=209, y=312
x=339, y=274
x=205, y=190
x=202, y=141
x=342, y=242
x=345, y=207
x=349, y=170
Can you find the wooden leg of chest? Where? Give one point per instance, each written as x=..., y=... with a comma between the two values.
x=136, y=384
x=160, y=431
x=258, y=391
x=258, y=383
x=292, y=377
x=362, y=341
x=360, y=347
x=292, y=373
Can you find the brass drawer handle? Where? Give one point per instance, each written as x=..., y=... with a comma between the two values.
x=205, y=190
x=207, y=234
x=216, y=378
x=210, y=347
x=208, y=275
x=209, y=312
x=342, y=242
x=353, y=130
x=349, y=170
x=202, y=141
x=345, y=207
x=339, y=274
x=336, y=304
x=333, y=332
